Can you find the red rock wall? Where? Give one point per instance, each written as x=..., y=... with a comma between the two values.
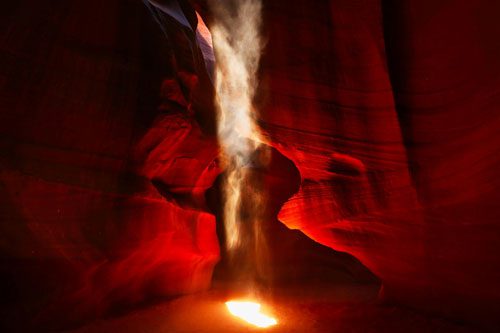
x=389, y=109
x=102, y=178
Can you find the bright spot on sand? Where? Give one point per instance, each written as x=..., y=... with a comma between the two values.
x=250, y=312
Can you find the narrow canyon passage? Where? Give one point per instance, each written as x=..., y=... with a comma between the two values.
x=373, y=176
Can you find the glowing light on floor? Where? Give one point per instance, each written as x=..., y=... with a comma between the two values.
x=238, y=45
x=250, y=312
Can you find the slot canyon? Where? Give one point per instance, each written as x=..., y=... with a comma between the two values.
x=371, y=202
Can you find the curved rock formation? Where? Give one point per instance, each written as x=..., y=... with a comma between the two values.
x=102, y=191
x=389, y=109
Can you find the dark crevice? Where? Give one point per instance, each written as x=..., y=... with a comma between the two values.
x=395, y=35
